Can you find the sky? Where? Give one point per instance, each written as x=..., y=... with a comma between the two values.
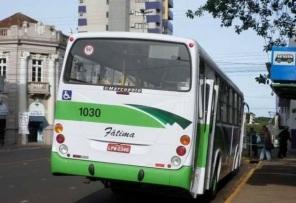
x=241, y=57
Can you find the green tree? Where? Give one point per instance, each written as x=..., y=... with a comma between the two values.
x=262, y=120
x=274, y=20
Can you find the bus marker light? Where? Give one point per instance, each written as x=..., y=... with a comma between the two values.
x=159, y=165
x=185, y=140
x=181, y=150
x=58, y=128
x=71, y=39
x=60, y=138
x=191, y=45
x=63, y=149
x=176, y=161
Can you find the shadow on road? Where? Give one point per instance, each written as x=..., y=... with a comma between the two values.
x=106, y=195
x=274, y=175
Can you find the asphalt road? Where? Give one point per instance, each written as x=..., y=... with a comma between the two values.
x=25, y=177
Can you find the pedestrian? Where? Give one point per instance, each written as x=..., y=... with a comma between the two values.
x=284, y=136
x=267, y=144
x=254, y=140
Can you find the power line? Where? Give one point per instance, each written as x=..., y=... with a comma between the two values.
x=240, y=63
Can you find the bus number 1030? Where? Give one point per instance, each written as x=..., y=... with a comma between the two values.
x=89, y=112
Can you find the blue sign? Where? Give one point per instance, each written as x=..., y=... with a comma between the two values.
x=283, y=64
x=67, y=95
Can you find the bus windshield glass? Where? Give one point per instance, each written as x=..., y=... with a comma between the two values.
x=129, y=63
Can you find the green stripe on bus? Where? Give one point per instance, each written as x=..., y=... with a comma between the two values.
x=164, y=116
x=203, y=142
x=177, y=178
x=68, y=110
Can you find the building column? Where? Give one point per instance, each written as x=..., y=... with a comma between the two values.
x=52, y=82
x=22, y=90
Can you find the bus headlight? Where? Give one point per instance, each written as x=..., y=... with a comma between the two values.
x=63, y=149
x=176, y=161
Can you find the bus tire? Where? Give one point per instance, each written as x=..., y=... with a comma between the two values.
x=214, y=185
x=212, y=192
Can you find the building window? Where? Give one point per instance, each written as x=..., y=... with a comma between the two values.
x=81, y=1
x=140, y=25
x=36, y=70
x=82, y=22
x=107, y=2
x=107, y=14
x=82, y=9
x=3, y=67
x=107, y=27
x=3, y=32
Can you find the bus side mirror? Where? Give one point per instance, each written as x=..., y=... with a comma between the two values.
x=247, y=118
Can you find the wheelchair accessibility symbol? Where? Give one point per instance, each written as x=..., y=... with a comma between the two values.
x=67, y=95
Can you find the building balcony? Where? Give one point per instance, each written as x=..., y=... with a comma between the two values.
x=153, y=19
x=154, y=30
x=81, y=9
x=38, y=88
x=153, y=5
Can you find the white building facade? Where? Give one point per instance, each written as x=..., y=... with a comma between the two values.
x=31, y=56
x=152, y=16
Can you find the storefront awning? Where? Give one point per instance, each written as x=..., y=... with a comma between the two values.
x=40, y=119
x=286, y=90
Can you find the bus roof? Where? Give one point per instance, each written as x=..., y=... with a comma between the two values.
x=133, y=35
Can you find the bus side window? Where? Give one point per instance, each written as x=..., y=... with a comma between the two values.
x=201, y=100
x=202, y=83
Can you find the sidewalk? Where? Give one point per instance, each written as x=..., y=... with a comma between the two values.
x=271, y=181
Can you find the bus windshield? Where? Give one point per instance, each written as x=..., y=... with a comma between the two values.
x=129, y=63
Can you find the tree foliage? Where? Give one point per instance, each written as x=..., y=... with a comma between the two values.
x=262, y=120
x=274, y=20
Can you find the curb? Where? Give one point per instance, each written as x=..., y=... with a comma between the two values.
x=242, y=182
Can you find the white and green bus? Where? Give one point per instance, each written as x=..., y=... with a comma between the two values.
x=145, y=109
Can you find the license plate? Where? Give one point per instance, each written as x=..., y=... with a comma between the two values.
x=119, y=148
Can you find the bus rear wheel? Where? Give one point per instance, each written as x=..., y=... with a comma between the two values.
x=212, y=192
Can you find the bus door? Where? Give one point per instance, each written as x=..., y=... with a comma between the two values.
x=211, y=149
x=207, y=103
